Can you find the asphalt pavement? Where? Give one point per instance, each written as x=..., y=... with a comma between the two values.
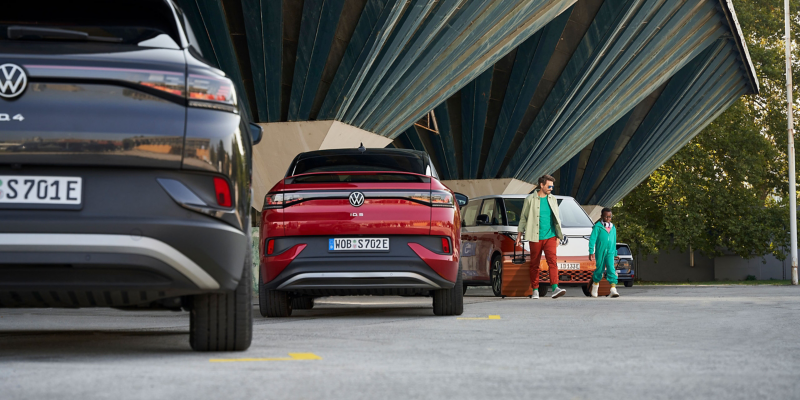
x=726, y=342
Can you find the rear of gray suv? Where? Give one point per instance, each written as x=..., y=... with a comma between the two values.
x=125, y=167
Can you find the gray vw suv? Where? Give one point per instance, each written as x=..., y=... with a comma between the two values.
x=125, y=167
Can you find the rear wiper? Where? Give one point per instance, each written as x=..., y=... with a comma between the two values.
x=24, y=32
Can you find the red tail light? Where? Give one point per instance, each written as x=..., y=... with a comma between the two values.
x=445, y=245
x=212, y=92
x=223, y=192
x=270, y=246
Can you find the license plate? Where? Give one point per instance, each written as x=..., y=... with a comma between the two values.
x=40, y=191
x=569, y=266
x=358, y=244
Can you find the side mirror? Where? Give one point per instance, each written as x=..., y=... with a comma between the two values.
x=482, y=219
x=462, y=199
x=256, y=131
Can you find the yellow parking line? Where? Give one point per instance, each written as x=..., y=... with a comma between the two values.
x=489, y=317
x=292, y=357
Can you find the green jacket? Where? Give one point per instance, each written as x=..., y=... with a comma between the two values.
x=603, y=243
x=529, y=220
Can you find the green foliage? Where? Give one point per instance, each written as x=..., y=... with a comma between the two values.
x=727, y=189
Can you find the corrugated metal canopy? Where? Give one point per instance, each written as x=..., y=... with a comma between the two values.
x=599, y=92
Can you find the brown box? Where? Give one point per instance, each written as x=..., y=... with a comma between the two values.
x=516, y=280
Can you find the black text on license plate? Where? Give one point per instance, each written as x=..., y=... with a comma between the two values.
x=40, y=191
x=358, y=244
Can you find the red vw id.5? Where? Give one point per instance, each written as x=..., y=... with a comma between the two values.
x=359, y=222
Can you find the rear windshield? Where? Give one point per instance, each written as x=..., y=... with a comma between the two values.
x=371, y=178
x=572, y=215
x=623, y=251
x=359, y=162
x=145, y=23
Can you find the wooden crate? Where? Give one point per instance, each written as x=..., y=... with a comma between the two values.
x=516, y=280
x=604, y=289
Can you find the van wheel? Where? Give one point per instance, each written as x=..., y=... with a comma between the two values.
x=302, y=303
x=278, y=303
x=450, y=301
x=587, y=289
x=224, y=321
x=496, y=275
x=628, y=283
x=543, y=288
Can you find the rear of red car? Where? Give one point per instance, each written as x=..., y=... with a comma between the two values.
x=359, y=222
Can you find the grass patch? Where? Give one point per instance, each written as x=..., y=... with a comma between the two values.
x=774, y=282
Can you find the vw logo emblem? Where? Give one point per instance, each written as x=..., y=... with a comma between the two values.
x=12, y=81
x=356, y=199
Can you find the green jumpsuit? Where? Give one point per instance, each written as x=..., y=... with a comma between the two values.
x=604, y=246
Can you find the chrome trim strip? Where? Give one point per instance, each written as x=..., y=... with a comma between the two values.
x=125, y=244
x=335, y=275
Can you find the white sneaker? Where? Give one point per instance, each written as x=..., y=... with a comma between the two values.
x=535, y=294
x=559, y=292
x=595, y=287
x=613, y=292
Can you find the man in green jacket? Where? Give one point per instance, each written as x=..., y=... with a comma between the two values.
x=603, y=246
x=540, y=223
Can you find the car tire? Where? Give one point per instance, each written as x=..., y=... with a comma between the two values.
x=465, y=289
x=496, y=275
x=278, y=303
x=587, y=289
x=450, y=301
x=224, y=321
x=302, y=303
x=262, y=295
x=543, y=288
x=628, y=283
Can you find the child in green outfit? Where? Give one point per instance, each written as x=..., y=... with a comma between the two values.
x=603, y=247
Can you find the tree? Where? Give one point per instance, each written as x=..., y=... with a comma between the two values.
x=727, y=189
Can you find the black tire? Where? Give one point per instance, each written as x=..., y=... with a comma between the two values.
x=496, y=275
x=278, y=303
x=302, y=303
x=543, y=288
x=628, y=283
x=262, y=295
x=465, y=289
x=450, y=301
x=587, y=289
x=224, y=321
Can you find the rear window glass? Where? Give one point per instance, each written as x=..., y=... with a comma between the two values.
x=572, y=215
x=359, y=162
x=623, y=251
x=371, y=178
x=145, y=23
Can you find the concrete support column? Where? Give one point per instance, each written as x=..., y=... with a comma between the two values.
x=593, y=211
x=283, y=141
x=485, y=187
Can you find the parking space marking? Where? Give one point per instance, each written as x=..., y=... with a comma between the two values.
x=489, y=317
x=292, y=357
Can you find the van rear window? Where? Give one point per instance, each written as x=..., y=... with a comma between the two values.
x=359, y=162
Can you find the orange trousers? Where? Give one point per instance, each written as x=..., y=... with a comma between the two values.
x=549, y=246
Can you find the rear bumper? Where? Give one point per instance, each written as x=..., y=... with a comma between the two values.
x=621, y=276
x=311, y=268
x=129, y=244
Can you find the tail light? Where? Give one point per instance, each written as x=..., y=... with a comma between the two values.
x=273, y=200
x=270, y=247
x=445, y=245
x=212, y=92
x=441, y=198
x=223, y=192
x=280, y=200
